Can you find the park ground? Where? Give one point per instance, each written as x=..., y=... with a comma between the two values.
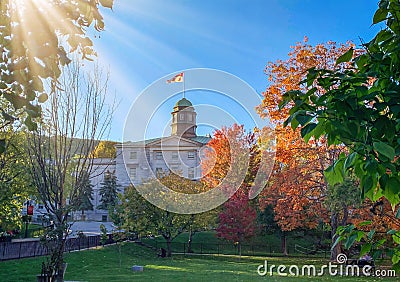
x=113, y=263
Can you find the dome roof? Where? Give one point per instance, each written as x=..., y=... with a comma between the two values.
x=183, y=103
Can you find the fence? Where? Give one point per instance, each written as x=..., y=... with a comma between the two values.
x=232, y=249
x=25, y=249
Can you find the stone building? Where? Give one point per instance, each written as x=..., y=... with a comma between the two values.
x=141, y=160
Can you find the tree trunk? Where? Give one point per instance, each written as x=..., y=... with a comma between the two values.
x=169, y=250
x=334, y=225
x=189, y=247
x=61, y=238
x=284, y=243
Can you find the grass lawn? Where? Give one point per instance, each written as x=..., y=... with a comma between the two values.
x=113, y=263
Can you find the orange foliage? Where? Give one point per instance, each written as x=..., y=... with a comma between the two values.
x=297, y=185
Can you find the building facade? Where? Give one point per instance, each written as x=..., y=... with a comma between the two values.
x=139, y=161
x=179, y=153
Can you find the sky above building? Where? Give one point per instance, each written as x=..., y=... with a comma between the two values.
x=149, y=40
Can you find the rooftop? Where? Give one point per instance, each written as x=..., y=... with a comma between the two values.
x=183, y=103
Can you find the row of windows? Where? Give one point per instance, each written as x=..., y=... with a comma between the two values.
x=159, y=156
x=159, y=172
x=182, y=117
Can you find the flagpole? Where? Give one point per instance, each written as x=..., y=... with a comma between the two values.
x=183, y=86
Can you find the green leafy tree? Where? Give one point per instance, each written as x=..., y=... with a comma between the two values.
x=359, y=107
x=15, y=182
x=108, y=191
x=36, y=39
x=83, y=200
x=144, y=218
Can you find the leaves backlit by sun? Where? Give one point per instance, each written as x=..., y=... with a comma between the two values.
x=36, y=39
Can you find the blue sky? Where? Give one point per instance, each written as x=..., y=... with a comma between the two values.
x=146, y=40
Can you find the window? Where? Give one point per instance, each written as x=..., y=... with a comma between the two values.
x=191, y=155
x=133, y=155
x=190, y=173
x=181, y=116
x=40, y=207
x=159, y=172
x=158, y=155
x=190, y=117
x=132, y=172
x=174, y=155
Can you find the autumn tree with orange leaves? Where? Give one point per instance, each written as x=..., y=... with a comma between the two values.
x=297, y=188
x=237, y=219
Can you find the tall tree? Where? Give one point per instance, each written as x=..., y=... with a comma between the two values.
x=237, y=218
x=84, y=197
x=298, y=187
x=108, y=191
x=359, y=108
x=59, y=151
x=36, y=39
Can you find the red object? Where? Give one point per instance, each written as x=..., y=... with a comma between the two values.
x=30, y=210
x=237, y=219
x=176, y=78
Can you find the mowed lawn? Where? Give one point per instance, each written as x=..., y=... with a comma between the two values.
x=113, y=263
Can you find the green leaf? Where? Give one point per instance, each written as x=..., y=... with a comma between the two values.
x=349, y=162
x=350, y=241
x=305, y=131
x=380, y=15
x=396, y=257
x=366, y=248
x=311, y=76
x=393, y=185
x=345, y=57
x=384, y=149
x=17, y=101
x=379, y=243
x=303, y=118
x=398, y=213
x=371, y=234
x=366, y=184
x=334, y=173
x=365, y=223
x=338, y=239
x=294, y=124
x=30, y=124
x=43, y=98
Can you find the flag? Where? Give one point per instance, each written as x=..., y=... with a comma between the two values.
x=176, y=78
